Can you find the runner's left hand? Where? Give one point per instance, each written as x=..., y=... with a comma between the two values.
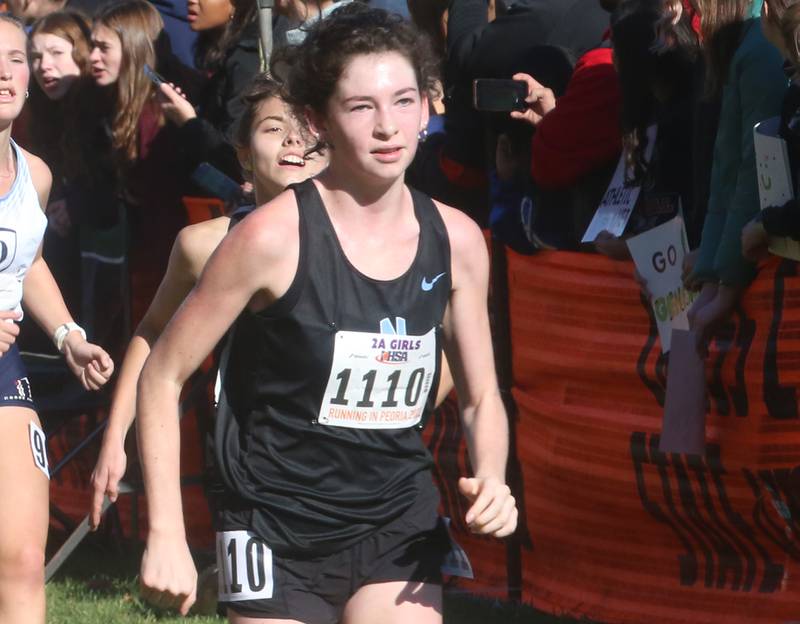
x=493, y=510
x=89, y=363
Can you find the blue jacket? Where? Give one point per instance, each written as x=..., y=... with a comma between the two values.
x=753, y=92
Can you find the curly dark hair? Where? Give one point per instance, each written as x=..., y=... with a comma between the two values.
x=312, y=69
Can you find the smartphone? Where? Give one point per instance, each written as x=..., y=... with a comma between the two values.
x=213, y=181
x=154, y=76
x=498, y=96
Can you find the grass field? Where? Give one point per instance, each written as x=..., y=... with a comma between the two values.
x=98, y=586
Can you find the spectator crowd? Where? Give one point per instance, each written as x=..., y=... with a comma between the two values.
x=605, y=79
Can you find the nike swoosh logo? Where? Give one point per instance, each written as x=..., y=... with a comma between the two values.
x=426, y=285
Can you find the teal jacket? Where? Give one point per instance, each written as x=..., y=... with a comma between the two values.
x=753, y=92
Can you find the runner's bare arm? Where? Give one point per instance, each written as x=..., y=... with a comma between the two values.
x=42, y=299
x=252, y=266
x=468, y=346
x=190, y=252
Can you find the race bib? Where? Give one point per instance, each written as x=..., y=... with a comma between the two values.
x=39, y=447
x=378, y=381
x=245, y=567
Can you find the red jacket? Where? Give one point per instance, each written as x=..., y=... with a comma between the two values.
x=582, y=133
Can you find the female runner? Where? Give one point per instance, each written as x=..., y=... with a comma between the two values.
x=273, y=153
x=342, y=291
x=24, y=187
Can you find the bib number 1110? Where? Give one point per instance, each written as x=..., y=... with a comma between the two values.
x=413, y=388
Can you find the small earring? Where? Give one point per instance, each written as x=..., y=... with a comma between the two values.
x=423, y=134
x=27, y=93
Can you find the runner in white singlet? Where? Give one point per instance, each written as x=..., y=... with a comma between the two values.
x=25, y=281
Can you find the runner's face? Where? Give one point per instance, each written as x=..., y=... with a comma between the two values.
x=375, y=115
x=53, y=66
x=14, y=72
x=106, y=56
x=277, y=145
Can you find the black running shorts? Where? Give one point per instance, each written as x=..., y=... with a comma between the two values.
x=315, y=590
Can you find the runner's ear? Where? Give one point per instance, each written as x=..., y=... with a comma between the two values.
x=316, y=123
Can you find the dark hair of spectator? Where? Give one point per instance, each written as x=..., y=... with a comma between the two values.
x=777, y=9
x=721, y=25
x=785, y=14
x=56, y=131
x=314, y=67
x=610, y=5
x=211, y=55
x=643, y=73
x=428, y=16
x=138, y=24
x=677, y=35
x=260, y=89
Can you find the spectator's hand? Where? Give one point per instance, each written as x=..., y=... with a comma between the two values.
x=506, y=163
x=58, y=217
x=710, y=309
x=612, y=246
x=107, y=473
x=88, y=362
x=540, y=101
x=687, y=270
x=174, y=104
x=493, y=511
x=9, y=330
x=168, y=577
x=755, y=241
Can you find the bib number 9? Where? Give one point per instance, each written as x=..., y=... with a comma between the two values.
x=39, y=448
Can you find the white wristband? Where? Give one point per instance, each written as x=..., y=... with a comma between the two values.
x=61, y=332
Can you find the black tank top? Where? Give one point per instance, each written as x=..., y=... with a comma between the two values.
x=329, y=387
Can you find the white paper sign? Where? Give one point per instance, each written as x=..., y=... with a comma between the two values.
x=619, y=200
x=244, y=565
x=39, y=447
x=658, y=255
x=378, y=381
x=774, y=179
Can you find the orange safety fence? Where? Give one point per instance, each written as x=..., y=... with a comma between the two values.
x=621, y=532
x=71, y=490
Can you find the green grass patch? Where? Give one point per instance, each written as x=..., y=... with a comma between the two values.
x=98, y=585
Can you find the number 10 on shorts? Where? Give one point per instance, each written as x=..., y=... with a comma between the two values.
x=245, y=567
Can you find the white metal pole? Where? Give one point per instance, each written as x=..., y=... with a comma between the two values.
x=265, y=26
